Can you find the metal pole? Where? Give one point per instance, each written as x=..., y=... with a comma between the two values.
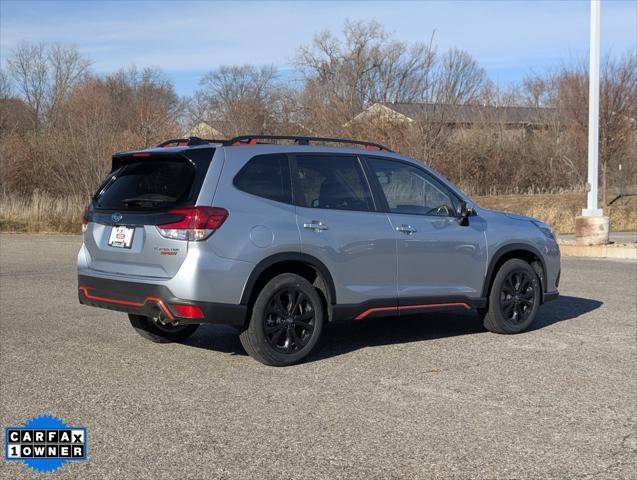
x=591, y=209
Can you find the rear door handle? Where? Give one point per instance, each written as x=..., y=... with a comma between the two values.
x=315, y=225
x=406, y=229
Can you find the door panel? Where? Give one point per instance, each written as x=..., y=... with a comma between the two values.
x=358, y=248
x=338, y=225
x=437, y=257
x=441, y=258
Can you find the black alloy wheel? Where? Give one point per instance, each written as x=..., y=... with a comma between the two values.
x=289, y=320
x=514, y=299
x=517, y=297
x=286, y=321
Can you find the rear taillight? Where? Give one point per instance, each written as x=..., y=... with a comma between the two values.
x=85, y=218
x=198, y=223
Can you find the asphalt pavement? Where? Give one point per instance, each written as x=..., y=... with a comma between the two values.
x=432, y=396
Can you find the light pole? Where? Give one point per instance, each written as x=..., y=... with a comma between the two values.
x=591, y=209
x=592, y=227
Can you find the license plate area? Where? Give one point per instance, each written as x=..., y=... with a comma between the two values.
x=121, y=236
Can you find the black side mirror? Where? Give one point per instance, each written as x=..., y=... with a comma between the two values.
x=464, y=212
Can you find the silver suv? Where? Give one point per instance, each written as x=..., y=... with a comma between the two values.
x=279, y=239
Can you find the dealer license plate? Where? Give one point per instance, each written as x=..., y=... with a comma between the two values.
x=121, y=237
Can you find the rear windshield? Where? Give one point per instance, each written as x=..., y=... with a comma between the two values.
x=148, y=185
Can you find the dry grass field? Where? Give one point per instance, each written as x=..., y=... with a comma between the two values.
x=41, y=213
x=559, y=210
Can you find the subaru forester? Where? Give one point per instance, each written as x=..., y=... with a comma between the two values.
x=280, y=239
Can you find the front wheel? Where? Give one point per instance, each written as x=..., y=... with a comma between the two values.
x=158, y=332
x=286, y=322
x=514, y=298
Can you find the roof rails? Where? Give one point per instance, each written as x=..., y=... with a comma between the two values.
x=245, y=140
x=253, y=140
x=187, y=142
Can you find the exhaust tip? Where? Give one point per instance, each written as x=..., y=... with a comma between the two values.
x=157, y=314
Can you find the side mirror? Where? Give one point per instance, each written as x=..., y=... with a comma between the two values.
x=464, y=212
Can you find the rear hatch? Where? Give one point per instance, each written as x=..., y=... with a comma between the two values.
x=143, y=191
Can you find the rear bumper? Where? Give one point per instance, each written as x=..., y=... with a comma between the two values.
x=146, y=299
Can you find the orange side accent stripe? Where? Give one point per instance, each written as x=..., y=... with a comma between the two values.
x=110, y=300
x=129, y=303
x=410, y=307
x=374, y=310
x=161, y=305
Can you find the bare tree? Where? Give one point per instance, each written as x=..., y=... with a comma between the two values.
x=29, y=70
x=155, y=104
x=536, y=91
x=368, y=66
x=45, y=75
x=68, y=68
x=197, y=108
x=5, y=85
x=144, y=103
x=618, y=116
x=459, y=78
x=15, y=115
x=243, y=98
x=618, y=109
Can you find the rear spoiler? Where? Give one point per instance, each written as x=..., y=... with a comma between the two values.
x=193, y=156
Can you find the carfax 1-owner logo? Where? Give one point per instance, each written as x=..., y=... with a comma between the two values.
x=45, y=443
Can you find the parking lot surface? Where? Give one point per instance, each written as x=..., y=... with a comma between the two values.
x=433, y=396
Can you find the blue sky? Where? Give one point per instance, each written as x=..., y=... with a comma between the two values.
x=187, y=39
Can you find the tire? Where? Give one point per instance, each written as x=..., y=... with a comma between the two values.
x=514, y=298
x=286, y=321
x=158, y=333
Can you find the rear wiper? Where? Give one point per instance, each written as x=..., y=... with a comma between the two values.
x=142, y=202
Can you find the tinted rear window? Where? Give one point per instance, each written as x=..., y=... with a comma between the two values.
x=266, y=176
x=148, y=185
x=334, y=182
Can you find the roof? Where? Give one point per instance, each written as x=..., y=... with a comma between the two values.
x=204, y=130
x=463, y=114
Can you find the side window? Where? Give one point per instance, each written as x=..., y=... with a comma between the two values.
x=410, y=190
x=266, y=176
x=336, y=182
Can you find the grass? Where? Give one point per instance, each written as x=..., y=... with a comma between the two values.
x=559, y=210
x=41, y=213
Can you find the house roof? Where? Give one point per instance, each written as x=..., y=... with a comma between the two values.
x=206, y=130
x=474, y=114
x=219, y=129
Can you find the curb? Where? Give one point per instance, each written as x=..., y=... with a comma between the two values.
x=626, y=252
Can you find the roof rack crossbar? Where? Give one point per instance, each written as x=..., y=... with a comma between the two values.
x=301, y=140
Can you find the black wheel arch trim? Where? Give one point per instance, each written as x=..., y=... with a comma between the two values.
x=272, y=260
x=503, y=250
